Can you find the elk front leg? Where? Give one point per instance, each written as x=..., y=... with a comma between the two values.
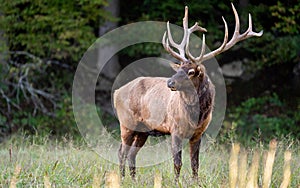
x=194, y=155
x=138, y=143
x=176, y=150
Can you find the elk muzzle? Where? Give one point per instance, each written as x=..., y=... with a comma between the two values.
x=179, y=81
x=171, y=84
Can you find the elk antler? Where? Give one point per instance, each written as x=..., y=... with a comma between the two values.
x=202, y=57
x=180, y=47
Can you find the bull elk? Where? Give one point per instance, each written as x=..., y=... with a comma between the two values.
x=180, y=106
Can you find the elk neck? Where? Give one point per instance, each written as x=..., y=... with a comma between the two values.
x=203, y=87
x=190, y=97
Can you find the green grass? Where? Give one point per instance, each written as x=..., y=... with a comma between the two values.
x=73, y=164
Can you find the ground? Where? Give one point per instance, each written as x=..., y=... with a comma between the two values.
x=69, y=163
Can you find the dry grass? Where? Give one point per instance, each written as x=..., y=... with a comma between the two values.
x=286, y=169
x=242, y=169
x=47, y=183
x=14, y=179
x=269, y=164
x=157, y=180
x=253, y=171
x=233, y=165
x=112, y=180
x=239, y=169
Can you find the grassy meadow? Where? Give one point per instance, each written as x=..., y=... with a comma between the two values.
x=32, y=161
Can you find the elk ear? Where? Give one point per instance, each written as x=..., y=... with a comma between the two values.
x=200, y=71
x=175, y=66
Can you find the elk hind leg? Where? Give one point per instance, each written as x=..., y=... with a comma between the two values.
x=139, y=141
x=127, y=137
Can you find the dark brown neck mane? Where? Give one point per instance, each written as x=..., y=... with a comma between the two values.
x=206, y=94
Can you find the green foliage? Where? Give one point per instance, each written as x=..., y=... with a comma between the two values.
x=287, y=17
x=42, y=42
x=280, y=41
x=59, y=122
x=62, y=122
x=60, y=30
x=278, y=50
x=266, y=116
x=141, y=50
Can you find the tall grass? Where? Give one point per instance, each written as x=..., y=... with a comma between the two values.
x=40, y=162
x=239, y=169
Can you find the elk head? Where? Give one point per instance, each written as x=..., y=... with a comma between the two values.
x=186, y=74
x=190, y=68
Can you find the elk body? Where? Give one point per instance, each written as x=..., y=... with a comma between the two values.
x=180, y=106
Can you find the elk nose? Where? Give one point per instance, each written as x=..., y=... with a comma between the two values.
x=171, y=83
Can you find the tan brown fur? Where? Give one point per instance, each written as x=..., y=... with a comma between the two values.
x=146, y=106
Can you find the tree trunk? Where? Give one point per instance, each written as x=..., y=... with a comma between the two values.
x=112, y=67
x=3, y=47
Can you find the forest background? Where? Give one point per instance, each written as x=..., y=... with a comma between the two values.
x=42, y=42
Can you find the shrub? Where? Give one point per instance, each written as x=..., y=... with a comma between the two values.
x=267, y=116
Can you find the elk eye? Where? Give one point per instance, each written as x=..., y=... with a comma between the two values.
x=191, y=72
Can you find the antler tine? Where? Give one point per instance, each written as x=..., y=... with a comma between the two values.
x=202, y=48
x=184, y=43
x=167, y=47
x=236, y=35
x=175, y=45
x=190, y=56
x=202, y=57
x=185, y=20
x=179, y=47
x=220, y=49
x=235, y=38
x=250, y=31
x=192, y=29
x=196, y=27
